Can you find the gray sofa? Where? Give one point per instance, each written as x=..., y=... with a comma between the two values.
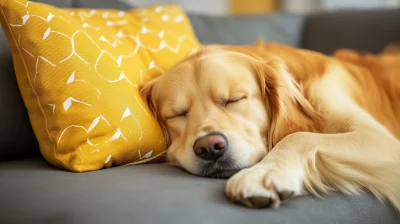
x=32, y=191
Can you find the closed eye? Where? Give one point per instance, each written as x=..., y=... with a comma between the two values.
x=181, y=113
x=234, y=100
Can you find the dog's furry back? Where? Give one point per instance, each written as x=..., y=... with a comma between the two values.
x=377, y=91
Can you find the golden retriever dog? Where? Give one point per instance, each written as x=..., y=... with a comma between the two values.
x=281, y=122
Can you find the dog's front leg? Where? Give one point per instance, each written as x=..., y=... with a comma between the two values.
x=277, y=177
x=310, y=162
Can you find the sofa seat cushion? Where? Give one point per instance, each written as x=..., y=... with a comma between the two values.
x=34, y=192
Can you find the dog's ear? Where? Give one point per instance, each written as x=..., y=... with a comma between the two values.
x=146, y=92
x=289, y=110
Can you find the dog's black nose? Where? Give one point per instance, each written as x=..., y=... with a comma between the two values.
x=211, y=146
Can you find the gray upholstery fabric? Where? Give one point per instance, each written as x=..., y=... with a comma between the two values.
x=58, y=3
x=112, y=4
x=16, y=135
x=33, y=192
x=363, y=30
x=281, y=28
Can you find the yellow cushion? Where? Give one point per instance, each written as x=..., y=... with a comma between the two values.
x=79, y=72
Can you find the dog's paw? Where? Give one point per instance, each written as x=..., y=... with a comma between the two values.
x=260, y=187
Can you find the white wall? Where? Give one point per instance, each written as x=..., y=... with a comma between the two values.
x=300, y=6
x=214, y=7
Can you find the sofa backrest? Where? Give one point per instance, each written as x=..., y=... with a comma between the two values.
x=281, y=28
x=362, y=30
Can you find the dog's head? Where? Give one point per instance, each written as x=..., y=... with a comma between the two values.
x=222, y=110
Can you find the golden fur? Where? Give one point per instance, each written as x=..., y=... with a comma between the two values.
x=298, y=121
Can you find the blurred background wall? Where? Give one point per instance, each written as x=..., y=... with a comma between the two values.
x=240, y=7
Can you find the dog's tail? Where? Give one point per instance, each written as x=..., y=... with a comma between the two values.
x=328, y=171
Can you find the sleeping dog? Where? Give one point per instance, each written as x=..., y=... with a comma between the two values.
x=281, y=122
